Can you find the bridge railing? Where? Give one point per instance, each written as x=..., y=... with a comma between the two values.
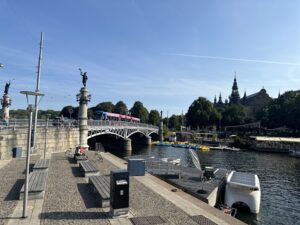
x=23, y=123
x=119, y=124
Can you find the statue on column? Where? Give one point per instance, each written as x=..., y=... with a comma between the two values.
x=6, y=88
x=84, y=77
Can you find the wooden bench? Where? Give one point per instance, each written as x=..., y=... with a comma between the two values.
x=88, y=168
x=101, y=185
x=80, y=158
x=41, y=164
x=36, y=185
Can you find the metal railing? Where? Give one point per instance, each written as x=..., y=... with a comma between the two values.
x=23, y=123
x=112, y=123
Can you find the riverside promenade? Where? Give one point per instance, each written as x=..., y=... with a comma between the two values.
x=69, y=200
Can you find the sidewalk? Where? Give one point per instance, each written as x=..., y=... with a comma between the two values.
x=69, y=200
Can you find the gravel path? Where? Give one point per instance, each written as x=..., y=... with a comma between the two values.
x=11, y=180
x=68, y=198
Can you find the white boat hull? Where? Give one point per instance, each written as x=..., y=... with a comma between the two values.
x=245, y=193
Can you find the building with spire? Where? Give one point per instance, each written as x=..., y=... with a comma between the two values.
x=252, y=103
x=220, y=103
x=234, y=98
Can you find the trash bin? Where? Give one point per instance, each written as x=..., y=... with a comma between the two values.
x=136, y=167
x=17, y=152
x=119, y=192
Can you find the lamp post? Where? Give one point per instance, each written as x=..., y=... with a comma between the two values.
x=30, y=109
x=1, y=65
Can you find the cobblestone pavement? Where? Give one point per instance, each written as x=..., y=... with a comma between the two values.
x=145, y=202
x=68, y=198
x=11, y=180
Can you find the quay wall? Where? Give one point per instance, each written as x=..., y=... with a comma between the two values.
x=58, y=139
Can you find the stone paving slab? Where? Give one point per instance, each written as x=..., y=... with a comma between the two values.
x=68, y=199
x=187, y=203
x=12, y=176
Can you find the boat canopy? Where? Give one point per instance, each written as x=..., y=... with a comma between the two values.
x=241, y=179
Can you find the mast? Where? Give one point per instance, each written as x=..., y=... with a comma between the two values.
x=37, y=90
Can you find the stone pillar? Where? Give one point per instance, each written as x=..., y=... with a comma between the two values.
x=127, y=144
x=83, y=97
x=6, y=102
x=148, y=140
x=161, y=128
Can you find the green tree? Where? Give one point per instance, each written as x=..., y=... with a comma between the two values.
x=67, y=111
x=233, y=115
x=105, y=106
x=283, y=111
x=202, y=113
x=175, y=122
x=120, y=108
x=49, y=113
x=138, y=110
x=154, y=117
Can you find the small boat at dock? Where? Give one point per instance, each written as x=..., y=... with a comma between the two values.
x=224, y=148
x=243, y=189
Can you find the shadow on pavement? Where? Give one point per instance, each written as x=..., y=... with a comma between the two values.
x=76, y=171
x=90, y=199
x=72, y=215
x=14, y=192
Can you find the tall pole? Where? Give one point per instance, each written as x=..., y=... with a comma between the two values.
x=161, y=128
x=30, y=109
x=37, y=90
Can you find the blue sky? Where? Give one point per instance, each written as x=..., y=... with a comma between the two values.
x=165, y=53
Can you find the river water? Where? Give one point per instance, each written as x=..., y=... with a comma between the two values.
x=279, y=176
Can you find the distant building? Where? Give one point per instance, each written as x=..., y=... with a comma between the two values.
x=252, y=103
x=255, y=102
x=234, y=98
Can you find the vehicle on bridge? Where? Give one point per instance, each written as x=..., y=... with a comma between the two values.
x=101, y=115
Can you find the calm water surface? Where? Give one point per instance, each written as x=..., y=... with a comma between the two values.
x=279, y=176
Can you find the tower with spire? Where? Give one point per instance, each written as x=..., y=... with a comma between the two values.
x=234, y=98
x=215, y=100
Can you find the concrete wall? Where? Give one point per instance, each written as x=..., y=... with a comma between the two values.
x=58, y=139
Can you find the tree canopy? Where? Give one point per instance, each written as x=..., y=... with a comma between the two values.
x=154, y=117
x=233, y=115
x=120, y=108
x=202, y=113
x=138, y=110
x=283, y=111
x=175, y=122
x=105, y=106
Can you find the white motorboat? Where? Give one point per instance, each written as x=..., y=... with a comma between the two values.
x=243, y=188
x=224, y=148
x=231, y=149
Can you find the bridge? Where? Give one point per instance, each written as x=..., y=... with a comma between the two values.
x=121, y=129
x=64, y=135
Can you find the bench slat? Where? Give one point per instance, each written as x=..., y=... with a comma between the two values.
x=41, y=164
x=88, y=166
x=102, y=185
x=37, y=181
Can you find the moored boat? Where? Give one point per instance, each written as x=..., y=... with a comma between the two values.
x=244, y=189
x=204, y=148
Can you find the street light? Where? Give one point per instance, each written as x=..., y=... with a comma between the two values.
x=1, y=65
x=30, y=109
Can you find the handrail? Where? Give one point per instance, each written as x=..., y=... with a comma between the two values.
x=23, y=123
